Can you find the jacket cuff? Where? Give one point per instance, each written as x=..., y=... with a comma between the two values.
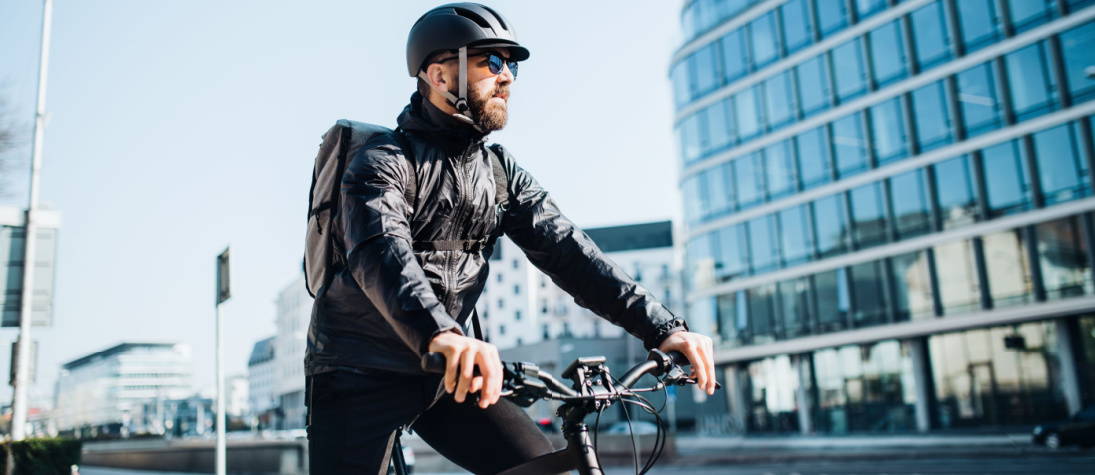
x=663, y=330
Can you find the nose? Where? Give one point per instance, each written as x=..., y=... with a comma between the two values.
x=506, y=75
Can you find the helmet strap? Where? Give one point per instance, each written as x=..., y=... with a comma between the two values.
x=463, y=111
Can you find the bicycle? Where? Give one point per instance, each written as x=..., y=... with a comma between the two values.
x=594, y=389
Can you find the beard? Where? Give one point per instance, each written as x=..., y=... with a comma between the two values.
x=489, y=115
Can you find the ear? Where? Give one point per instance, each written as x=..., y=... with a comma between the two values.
x=438, y=76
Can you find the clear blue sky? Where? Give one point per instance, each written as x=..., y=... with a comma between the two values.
x=179, y=127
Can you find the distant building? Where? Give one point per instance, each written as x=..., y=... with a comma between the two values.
x=520, y=304
x=261, y=380
x=12, y=237
x=294, y=312
x=120, y=390
x=237, y=398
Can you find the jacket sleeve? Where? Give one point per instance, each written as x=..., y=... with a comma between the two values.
x=570, y=258
x=377, y=240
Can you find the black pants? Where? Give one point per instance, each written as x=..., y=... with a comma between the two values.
x=352, y=419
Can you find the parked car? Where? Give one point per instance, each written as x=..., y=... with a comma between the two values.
x=1077, y=430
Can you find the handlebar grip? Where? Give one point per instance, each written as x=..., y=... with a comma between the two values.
x=433, y=363
x=679, y=359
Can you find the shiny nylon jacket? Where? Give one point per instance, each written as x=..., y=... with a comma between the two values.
x=382, y=308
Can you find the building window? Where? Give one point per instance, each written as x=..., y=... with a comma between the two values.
x=814, y=163
x=761, y=317
x=933, y=123
x=795, y=233
x=954, y=185
x=868, y=297
x=831, y=16
x=515, y=263
x=498, y=277
x=501, y=303
x=849, y=145
x=868, y=215
x=688, y=133
x=864, y=388
x=911, y=208
x=831, y=224
x=718, y=190
x=749, y=179
x=733, y=245
x=849, y=72
x=1062, y=171
x=956, y=270
x=517, y=315
x=763, y=39
x=733, y=318
x=704, y=69
x=912, y=287
x=797, y=28
x=1078, y=55
x=794, y=301
x=501, y=330
x=931, y=37
x=1007, y=184
x=779, y=169
x=779, y=100
x=762, y=244
x=699, y=262
x=1064, y=258
x=1027, y=14
x=812, y=78
x=978, y=22
x=1033, y=91
x=735, y=58
x=832, y=299
x=1008, y=268
x=748, y=117
x=719, y=124
x=681, y=92
x=516, y=290
x=977, y=99
x=888, y=131
x=888, y=62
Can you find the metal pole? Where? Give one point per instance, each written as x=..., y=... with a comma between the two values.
x=23, y=344
x=221, y=452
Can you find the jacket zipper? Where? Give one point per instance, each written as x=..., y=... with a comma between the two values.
x=461, y=176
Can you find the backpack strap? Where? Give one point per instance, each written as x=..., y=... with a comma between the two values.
x=501, y=181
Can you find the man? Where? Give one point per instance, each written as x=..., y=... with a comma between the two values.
x=415, y=266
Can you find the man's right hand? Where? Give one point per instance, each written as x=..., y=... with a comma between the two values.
x=462, y=356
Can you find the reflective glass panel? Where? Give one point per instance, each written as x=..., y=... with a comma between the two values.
x=763, y=39
x=720, y=126
x=1062, y=172
x=813, y=157
x=848, y=70
x=779, y=100
x=797, y=27
x=1078, y=57
x=831, y=225
x=933, y=124
x=700, y=263
x=749, y=179
x=761, y=313
x=1033, y=91
x=689, y=136
x=705, y=69
x=831, y=16
x=719, y=195
x=735, y=59
x=813, y=85
x=1065, y=258
x=1008, y=268
x=1027, y=14
x=888, y=131
x=866, y=8
x=733, y=318
x=795, y=234
x=779, y=167
x=771, y=388
x=692, y=198
x=956, y=270
x=1006, y=181
x=795, y=309
x=748, y=113
x=912, y=286
x=833, y=302
x=911, y=208
x=733, y=246
x=978, y=23
x=763, y=243
x=868, y=215
x=954, y=185
x=931, y=36
x=849, y=145
x=888, y=62
x=681, y=92
x=978, y=100
x=868, y=296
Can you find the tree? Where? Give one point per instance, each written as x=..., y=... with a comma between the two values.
x=9, y=142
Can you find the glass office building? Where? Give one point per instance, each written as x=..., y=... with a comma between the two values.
x=889, y=216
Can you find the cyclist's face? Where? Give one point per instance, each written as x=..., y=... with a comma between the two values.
x=488, y=93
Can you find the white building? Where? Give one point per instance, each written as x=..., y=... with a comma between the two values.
x=237, y=399
x=521, y=305
x=262, y=377
x=111, y=391
x=294, y=312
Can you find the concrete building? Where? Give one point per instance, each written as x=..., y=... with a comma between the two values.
x=520, y=305
x=888, y=209
x=261, y=381
x=294, y=311
x=237, y=399
x=121, y=390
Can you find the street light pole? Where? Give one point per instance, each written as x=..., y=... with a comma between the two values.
x=223, y=294
x=26, y=307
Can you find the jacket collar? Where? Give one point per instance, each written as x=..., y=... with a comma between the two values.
x=426, y=121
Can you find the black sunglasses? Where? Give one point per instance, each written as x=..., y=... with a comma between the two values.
x=494, y=62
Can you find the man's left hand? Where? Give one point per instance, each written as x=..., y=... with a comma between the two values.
x=700, y=353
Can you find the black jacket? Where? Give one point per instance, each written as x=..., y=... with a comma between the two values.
x=385, y=305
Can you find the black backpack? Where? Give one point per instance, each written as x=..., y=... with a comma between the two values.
x=340, y=143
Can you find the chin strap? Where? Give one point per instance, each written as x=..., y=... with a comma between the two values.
x=463, y=111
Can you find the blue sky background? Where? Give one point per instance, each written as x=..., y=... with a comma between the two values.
x=179, y=127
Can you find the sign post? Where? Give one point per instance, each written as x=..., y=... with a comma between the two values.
x=223, y=294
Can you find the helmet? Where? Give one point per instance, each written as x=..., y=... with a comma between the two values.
x=459, y=26
x=454, y=25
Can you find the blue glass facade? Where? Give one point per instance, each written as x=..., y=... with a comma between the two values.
x=853, y=164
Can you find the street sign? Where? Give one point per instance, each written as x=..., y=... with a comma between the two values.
x=12, y=239
x=223, y=289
